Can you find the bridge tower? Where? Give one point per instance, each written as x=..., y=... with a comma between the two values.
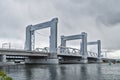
x=83, y=37
x=30, y=38
x=98, y=43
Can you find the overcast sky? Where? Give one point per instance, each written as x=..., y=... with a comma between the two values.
x=99, y=18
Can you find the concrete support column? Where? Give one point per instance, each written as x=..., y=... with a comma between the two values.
x=3, y=58
x=28, y=38
x=53, y=59
x=84, y=47
x=99, y=51
x=53, y=36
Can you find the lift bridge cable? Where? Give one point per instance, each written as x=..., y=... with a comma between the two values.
x=44, y=35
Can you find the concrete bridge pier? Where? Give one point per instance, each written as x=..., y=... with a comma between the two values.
x=3, y=58
x=84, y=60
x=52, y=59
x=99, y=61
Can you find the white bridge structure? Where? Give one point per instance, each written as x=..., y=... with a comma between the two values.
x=68, y=51
x=53, y=54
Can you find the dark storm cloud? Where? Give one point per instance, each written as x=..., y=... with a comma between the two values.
x=99, y=18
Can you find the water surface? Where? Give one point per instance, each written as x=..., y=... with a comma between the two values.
x=64, y=72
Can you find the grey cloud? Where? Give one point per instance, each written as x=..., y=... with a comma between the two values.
x=92, y=16
x=96, y=17
x=110, y=19
x=106, y=12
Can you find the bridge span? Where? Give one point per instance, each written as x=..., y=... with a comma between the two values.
x=70, y=55
x=14, y=52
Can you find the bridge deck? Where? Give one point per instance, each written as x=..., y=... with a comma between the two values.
x=22, y=53
x=14, y=52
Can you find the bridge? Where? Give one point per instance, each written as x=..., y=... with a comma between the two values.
x=70, y=55
x=53, y=54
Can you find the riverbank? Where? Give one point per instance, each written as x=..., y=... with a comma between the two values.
x=6, y=63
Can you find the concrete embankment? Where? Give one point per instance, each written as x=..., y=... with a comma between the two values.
x=6, y=63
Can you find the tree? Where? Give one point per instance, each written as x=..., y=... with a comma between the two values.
x=3, y=76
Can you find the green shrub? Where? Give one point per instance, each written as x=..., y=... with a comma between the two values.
x=4, y=76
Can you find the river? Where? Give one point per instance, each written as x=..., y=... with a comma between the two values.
x=64, y=72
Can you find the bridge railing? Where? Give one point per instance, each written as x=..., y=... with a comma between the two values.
x=45, y=49
x=20, y=57
x=68, y=51
x=92, y=54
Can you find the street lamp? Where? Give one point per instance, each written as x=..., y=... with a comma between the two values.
x=6, y=45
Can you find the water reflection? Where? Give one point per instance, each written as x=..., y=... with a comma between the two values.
x=28, y=73
x=53, y=72
x=63, y=72
x=83, y=72
x=99, y=73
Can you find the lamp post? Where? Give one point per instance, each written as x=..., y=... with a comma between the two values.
x=6, y=45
